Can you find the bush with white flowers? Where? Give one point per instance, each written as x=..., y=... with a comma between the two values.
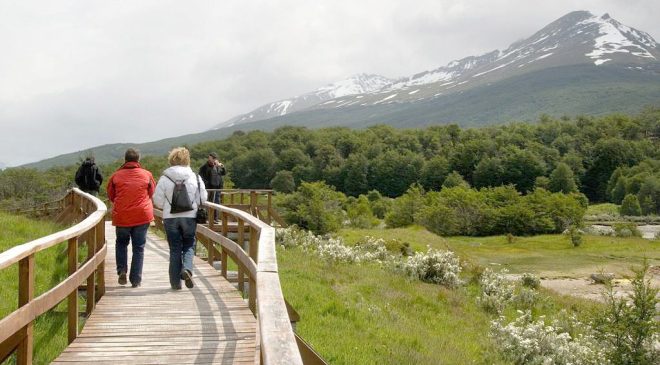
x=526, y=341
x=496, y=290
x=434, y=266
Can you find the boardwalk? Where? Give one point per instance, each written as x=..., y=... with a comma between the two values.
x=209, y=324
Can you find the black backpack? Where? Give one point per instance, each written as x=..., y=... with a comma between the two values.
x=89, y=174
x=180, y=200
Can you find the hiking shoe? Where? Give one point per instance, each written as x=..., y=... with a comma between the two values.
x=187, y=277
x=122, y=278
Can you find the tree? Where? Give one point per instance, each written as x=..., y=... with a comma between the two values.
x=405, y=207
x=434, y=173
x=254, y=170
x=355, y=175
x=283, y=182
x=359, y=213
x=453, y=180
x=488, y=173
x=630, y=206
x=562, y=179
x=649, y=195
x=316, y=207
x=394, y=172
x=542, y=182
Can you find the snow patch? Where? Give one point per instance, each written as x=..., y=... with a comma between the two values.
x=385, y=99
x=601, y=61
x=413, y=92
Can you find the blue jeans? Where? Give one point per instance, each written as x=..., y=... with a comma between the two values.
x=181, y=238
x=138, y=236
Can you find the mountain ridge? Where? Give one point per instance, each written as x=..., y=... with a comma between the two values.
x=578, y=64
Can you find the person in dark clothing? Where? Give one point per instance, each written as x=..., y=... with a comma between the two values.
x=212, y=172
x=88, y=177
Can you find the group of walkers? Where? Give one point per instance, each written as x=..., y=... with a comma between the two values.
x=133, y=193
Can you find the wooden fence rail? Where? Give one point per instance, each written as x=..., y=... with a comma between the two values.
x=16, y=329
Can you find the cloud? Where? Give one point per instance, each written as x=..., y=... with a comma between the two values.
x=75, y=74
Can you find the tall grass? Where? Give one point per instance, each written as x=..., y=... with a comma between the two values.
x=51, y=268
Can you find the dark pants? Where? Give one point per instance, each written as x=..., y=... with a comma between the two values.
x=181, y=238
x=214, y=196
x=138, y=236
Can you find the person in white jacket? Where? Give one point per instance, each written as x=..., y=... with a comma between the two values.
x=180, y=228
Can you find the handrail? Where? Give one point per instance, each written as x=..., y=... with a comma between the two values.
x=16, y=329
x=277, y=342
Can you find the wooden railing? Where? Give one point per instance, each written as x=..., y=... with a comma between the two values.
x=16, y=329
x=253, y=251
x=257, y=202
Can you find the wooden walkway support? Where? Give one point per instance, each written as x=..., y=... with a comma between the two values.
x=153, y=324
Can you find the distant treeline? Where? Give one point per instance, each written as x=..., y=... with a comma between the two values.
x=606, y=158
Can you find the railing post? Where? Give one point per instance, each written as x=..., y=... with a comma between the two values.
x=252, y=299
x=100, y=273
x=241, y=242
x=24, y=350
x=253, y=203
x=223, y=253
x=270, y=203
x=91, y=280
x=72, y=302
x=210, y=256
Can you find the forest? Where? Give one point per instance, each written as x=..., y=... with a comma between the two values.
x=612, y=158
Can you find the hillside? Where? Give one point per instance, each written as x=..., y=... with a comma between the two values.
x=580, y=64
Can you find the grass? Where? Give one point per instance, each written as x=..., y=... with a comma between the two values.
x=545, y=255
x=360, y=314
x=604, y=208
x=50, y=328
x=365, y=314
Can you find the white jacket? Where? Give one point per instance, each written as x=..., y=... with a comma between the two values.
x=165, y=187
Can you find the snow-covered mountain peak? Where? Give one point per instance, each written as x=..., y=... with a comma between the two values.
x=356, y=84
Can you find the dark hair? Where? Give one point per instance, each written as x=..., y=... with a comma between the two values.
x=132, y=155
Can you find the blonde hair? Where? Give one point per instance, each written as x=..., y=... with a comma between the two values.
x=179, y=156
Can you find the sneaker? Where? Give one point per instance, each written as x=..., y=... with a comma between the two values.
x=176, y=287
x=136, y=285
x=187, y=277
x=122, y=278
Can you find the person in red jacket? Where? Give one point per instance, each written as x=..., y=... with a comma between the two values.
x=130, y=190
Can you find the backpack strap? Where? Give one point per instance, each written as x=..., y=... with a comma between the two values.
x=199, y=191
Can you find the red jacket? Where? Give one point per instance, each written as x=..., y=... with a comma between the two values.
x=130, y=189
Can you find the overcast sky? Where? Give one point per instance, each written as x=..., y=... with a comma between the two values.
x=77, y=74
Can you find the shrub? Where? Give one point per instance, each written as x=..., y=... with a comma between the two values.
x=496, y=291
x=283, y=182
x=575, y=235
x=434, y=266
x=628, y=326
x=628, y=229
x=530, y=281
x=359, y=213
x=525, y=341
x=402, y=212
x=316, y=207
x=630, y=206
x=526, y=298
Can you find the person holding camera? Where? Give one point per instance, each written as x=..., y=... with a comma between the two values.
x=212, y=173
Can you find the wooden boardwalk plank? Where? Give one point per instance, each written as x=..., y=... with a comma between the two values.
x=153, y=324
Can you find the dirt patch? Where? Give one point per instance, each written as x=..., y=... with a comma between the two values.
x=585, y=287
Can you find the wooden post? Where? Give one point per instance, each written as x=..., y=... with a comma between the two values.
x=270, y=203
x=252, y=298
x=241, y=242
x=254, y=244
x=210, y=255
x=253, y=203
x=225, y=224
x=100, y=272
x=242, y=200
x=72, y=305
x=91, y=282
x=24, y=350
x=224, y=262
x=231, y=198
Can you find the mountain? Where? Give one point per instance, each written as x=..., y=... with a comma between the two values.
x=599, y=48
x=579, y=64
x=358, y=84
